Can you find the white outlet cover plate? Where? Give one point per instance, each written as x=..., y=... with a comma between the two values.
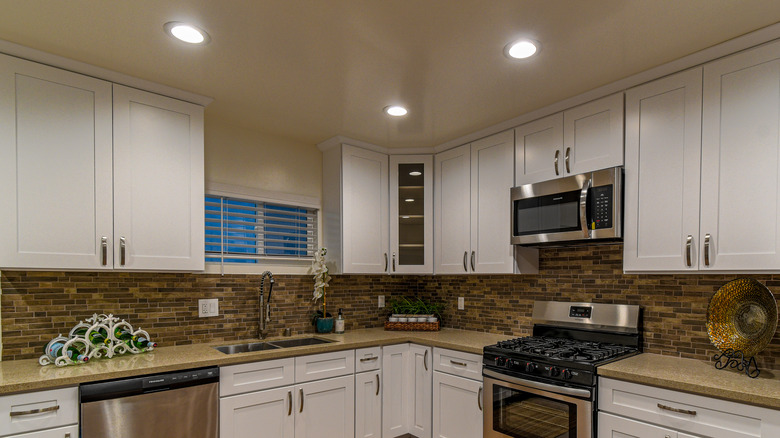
x=208, y=307
x=461, y=304
x=381, y=301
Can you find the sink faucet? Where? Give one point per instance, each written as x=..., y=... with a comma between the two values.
x=265, y=303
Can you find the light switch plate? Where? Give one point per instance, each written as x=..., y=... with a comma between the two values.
x=207, y=308
x=381, y=301
x=461, y=304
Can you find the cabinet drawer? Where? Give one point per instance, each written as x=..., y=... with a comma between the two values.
x=325, y=365
x=368, y=359
x=60, y=432
x=457, y=363
x=247, y=377
x=58, y=407
x=687, y=412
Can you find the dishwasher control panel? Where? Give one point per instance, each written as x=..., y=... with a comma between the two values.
x=174, y=379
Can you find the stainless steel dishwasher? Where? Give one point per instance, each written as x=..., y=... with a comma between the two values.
x=182, y=404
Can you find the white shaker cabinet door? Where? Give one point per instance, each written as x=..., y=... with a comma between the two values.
x=365, y=216
x=663, y=153
x=457, y=407
x=452, y=211
x=420, y=402
x=492, y=178
x=395, y=390
x=158, y=182
x=612, y=426
x=325, y=408
x=368, y=404
x=539, y=150
x=740, y=187
x=593, y=135
x=261, y=414
x=55, y=168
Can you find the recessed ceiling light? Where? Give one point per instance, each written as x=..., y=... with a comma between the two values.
x=415, y=173
x=186, y=32
x=409, y=200
x=521, y=49
x=395, y=110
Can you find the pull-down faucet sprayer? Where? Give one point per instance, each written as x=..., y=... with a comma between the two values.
x=265, y=303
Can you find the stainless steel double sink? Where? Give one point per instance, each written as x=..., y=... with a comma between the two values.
x=270, y=345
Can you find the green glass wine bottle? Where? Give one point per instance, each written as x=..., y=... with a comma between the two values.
x=55, y=350
x=142, y=343
x=96, y=337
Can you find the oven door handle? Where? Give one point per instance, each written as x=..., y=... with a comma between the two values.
x=586, y=185
x=537, y=385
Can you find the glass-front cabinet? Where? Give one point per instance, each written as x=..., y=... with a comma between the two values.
x=411, y=214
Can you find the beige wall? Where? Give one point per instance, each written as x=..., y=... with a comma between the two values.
x=243, y=157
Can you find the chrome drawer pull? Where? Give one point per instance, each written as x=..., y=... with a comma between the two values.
x=465, y=256
x=706, y=250
x=289, y=403
x=377, y=384
x=557, y=153
x=688, y=243
x=679, y=411
x=567, y=160
x=367, y=359
x=36, y=411
x=463, y=364
x=473, y=253
x=300, y=391
x=104, y=250
x=425, y=360
x=479, y=398
x=122, y=250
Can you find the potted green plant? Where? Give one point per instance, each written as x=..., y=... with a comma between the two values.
x=323, y=321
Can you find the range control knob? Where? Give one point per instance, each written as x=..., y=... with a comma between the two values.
x=512, y=364
x=500, y=361
x=554, y=371
x=566, y=374
x=531, y=367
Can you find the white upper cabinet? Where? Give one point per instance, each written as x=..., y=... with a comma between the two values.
x=452, y=210
x=538, y=147
x=492, y=175
x=593, y=135
x=663, y=153
x=702, y=166
x=91, y=181
x=582, y=139
x=740, y=187
x=158, y=182
x=55, y=168
x=471, y=208
x=411, y=214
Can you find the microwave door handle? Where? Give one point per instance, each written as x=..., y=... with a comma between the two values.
x=584, y=208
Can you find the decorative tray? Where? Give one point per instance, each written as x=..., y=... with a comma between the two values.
x=412, y=326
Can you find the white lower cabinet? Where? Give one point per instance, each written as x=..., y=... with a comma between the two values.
x=326, y=408
x=368, y=404
x=421, y=381
x=40, y=414
x=634, y=410
x=457, y=407
x=407, y=378
x=258, y=414
x=60, y=432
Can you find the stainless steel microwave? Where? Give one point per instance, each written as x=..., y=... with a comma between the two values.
x=569, y=209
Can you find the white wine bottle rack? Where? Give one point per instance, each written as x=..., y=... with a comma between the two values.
x=106, y=326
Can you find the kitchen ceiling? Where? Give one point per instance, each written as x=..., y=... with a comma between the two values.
x=311, y=69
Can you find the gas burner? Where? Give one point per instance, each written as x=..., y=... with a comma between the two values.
x=564, y=348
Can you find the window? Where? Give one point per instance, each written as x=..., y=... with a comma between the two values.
x=245, y=231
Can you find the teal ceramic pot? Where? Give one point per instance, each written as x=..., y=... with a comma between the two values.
x=324, y=325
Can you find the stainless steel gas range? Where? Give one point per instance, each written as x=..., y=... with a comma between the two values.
x=544, y=386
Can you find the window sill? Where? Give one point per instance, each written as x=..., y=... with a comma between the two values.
x=277, y=266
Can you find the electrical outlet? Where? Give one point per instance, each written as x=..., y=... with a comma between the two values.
x=207, y=308
x=381, y=301
x=461, y=305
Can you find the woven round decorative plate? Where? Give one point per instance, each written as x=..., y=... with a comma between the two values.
x=742, y=315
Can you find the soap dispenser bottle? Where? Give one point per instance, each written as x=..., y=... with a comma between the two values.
x=340, y=323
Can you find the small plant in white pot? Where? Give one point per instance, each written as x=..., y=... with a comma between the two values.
x=322, y=320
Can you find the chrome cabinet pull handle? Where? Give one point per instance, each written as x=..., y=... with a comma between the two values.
x=385, y=262
x=557, y=153
x=104, y=250
x=367, y=359
x=479, y=398
x=706, y=249
x=465, y=256
x=425, y=360
x=473, y=253
x=568, y=150
x=679, y=411
x=122, y=250
x=688, y=243
x=301, y=394
x=584, y=208
x=463, y=364
x=289, y=403
x=377, y=384
x=393, y=262
x=36, y=411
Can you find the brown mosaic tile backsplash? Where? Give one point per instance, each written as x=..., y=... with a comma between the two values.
x=37, y=306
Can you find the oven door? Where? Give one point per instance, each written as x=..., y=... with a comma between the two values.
x=520, y=408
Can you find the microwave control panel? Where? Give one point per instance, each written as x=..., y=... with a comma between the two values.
x=601, y=207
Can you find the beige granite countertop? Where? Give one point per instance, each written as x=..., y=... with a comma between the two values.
x=697, y=377
x=27, y=375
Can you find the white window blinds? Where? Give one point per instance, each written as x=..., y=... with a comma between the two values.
x=245, y=231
